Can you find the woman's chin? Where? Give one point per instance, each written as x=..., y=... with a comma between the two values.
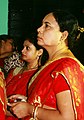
x=39, y=42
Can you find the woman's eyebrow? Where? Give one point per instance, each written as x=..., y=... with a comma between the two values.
x=47, y=23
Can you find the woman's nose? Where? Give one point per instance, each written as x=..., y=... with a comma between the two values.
x=22, y=50
x=40, y=29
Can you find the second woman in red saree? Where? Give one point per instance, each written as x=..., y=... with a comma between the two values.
x=18, y=78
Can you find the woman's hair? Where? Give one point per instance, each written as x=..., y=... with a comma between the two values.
x=68, y=22
x=5, y=37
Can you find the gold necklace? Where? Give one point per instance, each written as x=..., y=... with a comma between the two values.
x=28, y=69
x=25, y=69
x=31, y=68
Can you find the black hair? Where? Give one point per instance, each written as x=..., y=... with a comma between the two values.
x=5, y=37
x=67, y=22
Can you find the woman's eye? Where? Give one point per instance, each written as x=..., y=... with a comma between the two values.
x=46, y=25
x=27, y=48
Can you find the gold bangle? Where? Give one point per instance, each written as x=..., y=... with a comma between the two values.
x=35, y=113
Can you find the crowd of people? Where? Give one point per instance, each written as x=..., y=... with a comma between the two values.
x=50, y=84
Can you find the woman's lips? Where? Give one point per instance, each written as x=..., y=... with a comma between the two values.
x=23, y=55
x=39, y=39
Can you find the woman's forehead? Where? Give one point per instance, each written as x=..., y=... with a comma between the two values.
x=27, y=42
x=50, y=19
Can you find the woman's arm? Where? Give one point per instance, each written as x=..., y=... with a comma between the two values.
x=65, y=109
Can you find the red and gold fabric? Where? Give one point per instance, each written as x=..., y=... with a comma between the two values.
x=57, y=76
x=17, y=84
x=2, y=97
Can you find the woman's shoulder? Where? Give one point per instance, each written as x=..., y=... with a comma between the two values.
x=68, y=67
x=17, y=70
x=69, y=61
x=66, y=64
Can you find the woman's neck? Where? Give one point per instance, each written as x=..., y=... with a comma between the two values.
x=56, y=54
x=33, y=65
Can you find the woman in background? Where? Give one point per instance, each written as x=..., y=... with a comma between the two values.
x=6, y=48
x=9, y=54
x=18, y=78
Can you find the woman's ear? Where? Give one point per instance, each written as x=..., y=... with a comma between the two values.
x=64, y=35
x=40, y=52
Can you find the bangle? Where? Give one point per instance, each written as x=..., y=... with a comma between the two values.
x=35, y=113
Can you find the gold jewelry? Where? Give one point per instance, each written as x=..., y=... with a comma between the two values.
x=35, y=113
x=32, y=68
x=80, y=29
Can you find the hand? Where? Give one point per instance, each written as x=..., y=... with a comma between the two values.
x=17, y=98
x=21, y=109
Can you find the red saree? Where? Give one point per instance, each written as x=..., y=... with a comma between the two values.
x=17, y=85
x=2, y=97
x=49, y=82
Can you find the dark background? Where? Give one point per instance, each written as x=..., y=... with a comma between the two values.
x=26, y=15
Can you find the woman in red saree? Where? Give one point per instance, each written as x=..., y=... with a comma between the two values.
x=18, y=78
x=2, y=97
x=55, y=92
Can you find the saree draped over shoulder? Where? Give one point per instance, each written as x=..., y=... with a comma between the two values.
x=59, y=75
x=2, y=97
x=17, y=84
